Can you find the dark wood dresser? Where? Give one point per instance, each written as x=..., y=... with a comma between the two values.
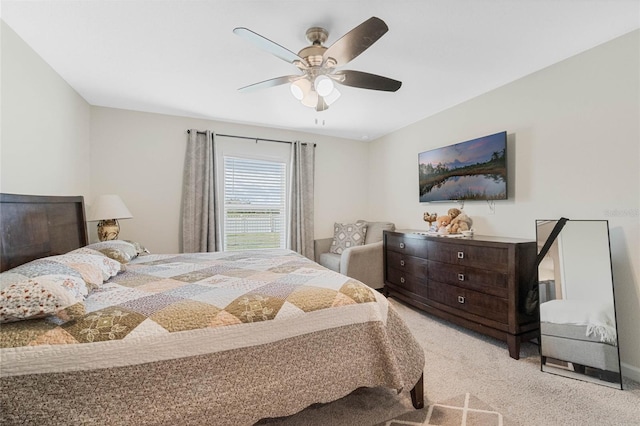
x=479, y=282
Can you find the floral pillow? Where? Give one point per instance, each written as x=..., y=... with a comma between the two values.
x=87, y=264
x=120, y=250
x=42, y=296
x=74, y=284
x=142, y=250
x=37, y=268
x=346, y=235
x=116, y=255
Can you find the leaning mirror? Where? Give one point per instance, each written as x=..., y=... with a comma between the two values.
x=578, y=332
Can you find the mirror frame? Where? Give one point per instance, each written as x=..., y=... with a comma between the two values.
x=565, y=367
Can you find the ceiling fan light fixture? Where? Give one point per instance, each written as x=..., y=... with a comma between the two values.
x=323, y=85
x=315, y=86
x=332, y=97
x=310, y=99
x=300, y=88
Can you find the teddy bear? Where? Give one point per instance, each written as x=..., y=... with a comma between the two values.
x=460, y=223
x=453, y=212
x=442, y=223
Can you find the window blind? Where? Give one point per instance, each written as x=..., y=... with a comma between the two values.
x=254, y=204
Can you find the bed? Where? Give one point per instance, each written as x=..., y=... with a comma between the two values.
x=581, y=332
x=185, y=338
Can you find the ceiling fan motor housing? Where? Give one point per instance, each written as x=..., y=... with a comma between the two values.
x=317, y=35
x=313, y=54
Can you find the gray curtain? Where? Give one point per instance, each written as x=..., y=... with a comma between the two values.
x=301, y=212
x=199, y=205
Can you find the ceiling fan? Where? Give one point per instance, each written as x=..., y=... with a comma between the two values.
x=318, y=64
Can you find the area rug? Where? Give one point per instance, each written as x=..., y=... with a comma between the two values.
x=463, y=410
x=368, y=406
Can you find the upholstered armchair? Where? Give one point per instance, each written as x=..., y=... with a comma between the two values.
x=362, y=262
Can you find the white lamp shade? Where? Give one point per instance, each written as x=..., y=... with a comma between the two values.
x=310, y=99
x=323, y=85
x=332, y=97
x=107, y=207
x=300, y=88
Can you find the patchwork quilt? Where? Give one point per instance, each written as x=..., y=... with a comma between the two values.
x=218, y=321
x=163, y=294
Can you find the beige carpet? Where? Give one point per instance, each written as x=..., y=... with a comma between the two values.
x=470, y=380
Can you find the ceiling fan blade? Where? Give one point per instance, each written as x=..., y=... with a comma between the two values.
x=356, y=41
x=364, y=80
x=270, y=83
x=268, y=45
x=322, y=105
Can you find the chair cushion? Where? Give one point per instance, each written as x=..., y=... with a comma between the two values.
x=374, y=230
x=347, y=235
x=331, y=261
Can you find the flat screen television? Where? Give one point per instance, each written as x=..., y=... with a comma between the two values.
x=470, y=170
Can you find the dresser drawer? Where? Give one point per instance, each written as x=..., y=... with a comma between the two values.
x=482, y=280
x=473, y=302
x=412, y=283
x=410, y=246
x=486, y=257
x=403, y=262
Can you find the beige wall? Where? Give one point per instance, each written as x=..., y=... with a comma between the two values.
x=44, y=141
x=140, y=156
x=573, y=148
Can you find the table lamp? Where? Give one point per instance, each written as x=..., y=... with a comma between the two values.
x=107, y=209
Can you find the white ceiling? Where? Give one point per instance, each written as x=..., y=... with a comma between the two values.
x=182, y=58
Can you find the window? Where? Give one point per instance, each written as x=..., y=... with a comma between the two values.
x=254, y=204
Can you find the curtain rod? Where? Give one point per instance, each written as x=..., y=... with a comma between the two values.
x=250, y=138
x=257, y=139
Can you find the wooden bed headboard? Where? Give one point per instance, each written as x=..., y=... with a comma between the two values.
x=36, y=226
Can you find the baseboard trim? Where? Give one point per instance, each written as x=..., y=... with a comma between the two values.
x=630, y=372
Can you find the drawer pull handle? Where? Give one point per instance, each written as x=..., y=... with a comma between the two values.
x=402, y=263
x=402, y=280
x=460, y=299
x=460, y=277
x=401, y=245
x=460, y=255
